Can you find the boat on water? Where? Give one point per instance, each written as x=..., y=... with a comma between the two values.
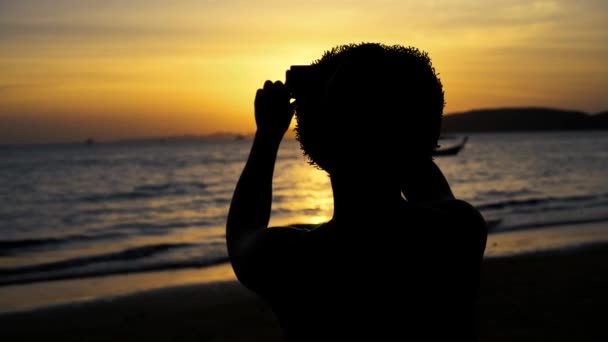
x=452, y=150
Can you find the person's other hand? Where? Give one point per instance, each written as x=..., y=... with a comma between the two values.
x=273, y=112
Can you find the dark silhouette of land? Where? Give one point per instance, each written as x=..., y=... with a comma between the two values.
x=523, y=119
x=211, y=137
x=515, y=119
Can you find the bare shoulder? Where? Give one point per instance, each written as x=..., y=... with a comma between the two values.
x=462, y=209
x=269, y=242
x=458, y=206
x=271, y=239
x=460, y=221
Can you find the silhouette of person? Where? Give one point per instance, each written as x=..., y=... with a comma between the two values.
x=400, y=257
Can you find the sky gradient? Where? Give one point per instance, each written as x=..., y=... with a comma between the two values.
x=72, y=69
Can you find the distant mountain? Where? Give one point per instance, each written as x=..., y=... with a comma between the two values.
x=523, y=119
x=600, y=120
x=218, y=136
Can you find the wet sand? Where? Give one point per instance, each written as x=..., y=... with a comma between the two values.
x=553, y=296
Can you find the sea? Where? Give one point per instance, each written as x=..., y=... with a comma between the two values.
x=79, y=211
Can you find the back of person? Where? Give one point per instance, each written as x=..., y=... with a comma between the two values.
x=407, y=275
x=384, y=267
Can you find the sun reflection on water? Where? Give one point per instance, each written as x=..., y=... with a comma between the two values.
x=302, y=193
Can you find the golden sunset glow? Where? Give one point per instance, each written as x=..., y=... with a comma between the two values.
x=114, y=69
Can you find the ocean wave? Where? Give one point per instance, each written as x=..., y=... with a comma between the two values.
x=147, y=191
x=506, y=193
x=119, y=269
x=7, y=247
x=143, y=227
x=129, y=254
x=164, y=187
x=547, y=224
x=535, y=201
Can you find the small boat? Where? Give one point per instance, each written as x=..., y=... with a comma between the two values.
x=452, y=150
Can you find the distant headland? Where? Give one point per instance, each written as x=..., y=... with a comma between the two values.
x=523, y=119
x=512, y=119
x=515, y=119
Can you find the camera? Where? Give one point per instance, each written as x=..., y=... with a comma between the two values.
x=302, y=81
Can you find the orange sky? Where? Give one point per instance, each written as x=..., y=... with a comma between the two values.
x=111, y=69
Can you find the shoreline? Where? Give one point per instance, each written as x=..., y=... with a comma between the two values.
x=55, y=294
x=59, y=294
x=543, y=296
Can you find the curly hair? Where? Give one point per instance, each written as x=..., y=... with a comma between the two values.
x=375, y=104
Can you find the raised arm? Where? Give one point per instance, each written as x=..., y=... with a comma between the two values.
x=251, y=203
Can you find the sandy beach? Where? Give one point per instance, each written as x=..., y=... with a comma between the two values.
x=550, y=296
x=553, y=296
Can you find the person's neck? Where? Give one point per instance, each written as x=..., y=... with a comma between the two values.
x=363, y=199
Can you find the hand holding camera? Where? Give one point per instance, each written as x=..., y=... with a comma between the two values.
x=273, y=112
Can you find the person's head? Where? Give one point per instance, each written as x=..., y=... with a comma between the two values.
x=378, y=107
